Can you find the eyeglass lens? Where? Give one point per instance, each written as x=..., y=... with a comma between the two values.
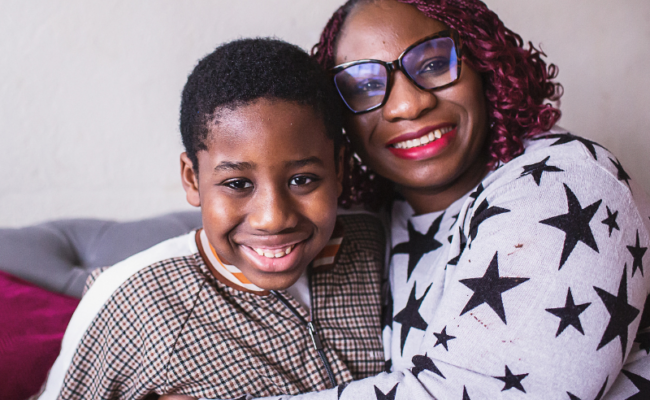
x=430, y=64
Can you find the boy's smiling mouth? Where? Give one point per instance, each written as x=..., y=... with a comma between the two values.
x=274, y=253
x=274, y=257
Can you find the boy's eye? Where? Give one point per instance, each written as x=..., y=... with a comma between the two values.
x=301, y=180
x=238, y=184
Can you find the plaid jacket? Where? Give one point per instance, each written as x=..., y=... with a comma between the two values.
x=160, y=322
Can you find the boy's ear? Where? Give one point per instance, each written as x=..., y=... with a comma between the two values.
x=340, y=163
x=190, y=181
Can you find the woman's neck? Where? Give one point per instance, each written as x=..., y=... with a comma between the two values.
x=431, y=199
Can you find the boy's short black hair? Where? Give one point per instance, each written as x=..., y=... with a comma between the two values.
x=244, y=70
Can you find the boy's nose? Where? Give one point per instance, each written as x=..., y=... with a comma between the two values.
x=272, y=211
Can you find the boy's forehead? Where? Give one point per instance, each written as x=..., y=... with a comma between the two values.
x=272, y=125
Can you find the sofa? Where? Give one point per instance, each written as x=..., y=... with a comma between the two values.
x=43, y=270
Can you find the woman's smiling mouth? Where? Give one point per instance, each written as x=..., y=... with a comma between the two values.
x=423, y=140
x=424, y=144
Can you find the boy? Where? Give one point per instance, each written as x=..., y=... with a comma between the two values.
x=207, y=314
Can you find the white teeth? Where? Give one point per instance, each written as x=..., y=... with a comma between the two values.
x=271, y=254
x=437, y=134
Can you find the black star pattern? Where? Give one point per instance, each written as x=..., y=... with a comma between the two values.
x=641, y=383
x=622, y=314
x=386, y=396
x=455, y=217
x=536, y=170
x=645, y=318
x=410, y=317
x=621, y=174
x=340, y=389
x=643, y=339
x=610, y=221
x=563, y=138
x=569, y=314
x=443, y=338
x=474, y=195
x=637, y=253
x=575, y=225
x=387, y=309
x=488, y=289
x=388, y=365
x=465, y=394
x=598, y=396
x=463, y=244
x=424, y=363
x=512, y=381
x=418, y=244
x=483, y=212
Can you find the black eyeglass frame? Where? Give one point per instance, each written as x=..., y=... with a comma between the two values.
x=391, y=67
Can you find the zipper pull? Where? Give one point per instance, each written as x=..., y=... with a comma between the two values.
x=314, y=336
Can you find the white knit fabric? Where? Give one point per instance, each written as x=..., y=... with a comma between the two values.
x=533, y=286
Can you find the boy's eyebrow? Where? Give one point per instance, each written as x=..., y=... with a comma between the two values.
x=234, y=166
x=304, y=162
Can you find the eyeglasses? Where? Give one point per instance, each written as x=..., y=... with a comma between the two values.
x=430, y=63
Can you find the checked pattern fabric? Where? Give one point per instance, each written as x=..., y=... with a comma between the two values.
x=172, y=327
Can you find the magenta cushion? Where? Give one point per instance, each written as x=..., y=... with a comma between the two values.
x=33, y=321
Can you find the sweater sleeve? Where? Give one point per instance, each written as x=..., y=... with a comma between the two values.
x=546, y=297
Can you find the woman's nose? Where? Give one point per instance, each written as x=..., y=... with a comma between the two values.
x=272, y=211
x=407, y=101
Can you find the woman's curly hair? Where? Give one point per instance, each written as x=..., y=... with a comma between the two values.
x=516, y=81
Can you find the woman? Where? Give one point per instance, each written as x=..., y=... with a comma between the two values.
x=518, y=249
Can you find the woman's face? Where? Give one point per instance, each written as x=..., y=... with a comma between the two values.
x=433, y=175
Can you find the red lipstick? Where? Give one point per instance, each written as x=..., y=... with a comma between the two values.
x=425, y=151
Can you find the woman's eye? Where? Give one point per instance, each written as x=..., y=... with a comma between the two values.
x=370, y=85
x=435, y=66
x=301, y=180
x=238, y=184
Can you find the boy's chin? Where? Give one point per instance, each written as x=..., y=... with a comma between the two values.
x=277, y=280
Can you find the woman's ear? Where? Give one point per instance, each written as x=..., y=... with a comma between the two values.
x=340, y=164
x=190, y=181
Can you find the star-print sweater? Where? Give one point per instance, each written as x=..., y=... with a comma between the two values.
x=532, y=286
x=172, y=320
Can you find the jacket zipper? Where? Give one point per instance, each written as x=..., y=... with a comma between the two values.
x=315, y=338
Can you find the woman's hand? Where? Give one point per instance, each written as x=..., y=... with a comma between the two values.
x=176, y=397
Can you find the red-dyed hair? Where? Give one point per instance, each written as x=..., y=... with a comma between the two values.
x=516, y=81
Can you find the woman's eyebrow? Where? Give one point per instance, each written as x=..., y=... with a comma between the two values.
x=304, y=162
x=234, y=166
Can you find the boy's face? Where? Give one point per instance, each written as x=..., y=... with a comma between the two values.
x=268, y=188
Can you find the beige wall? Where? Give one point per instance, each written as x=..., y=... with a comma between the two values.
x=90, y=89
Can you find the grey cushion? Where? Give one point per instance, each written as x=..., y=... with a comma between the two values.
x=59, y=255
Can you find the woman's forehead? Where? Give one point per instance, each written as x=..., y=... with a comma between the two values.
x=382, y=30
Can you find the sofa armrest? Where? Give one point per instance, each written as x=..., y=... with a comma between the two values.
x=59, y=255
